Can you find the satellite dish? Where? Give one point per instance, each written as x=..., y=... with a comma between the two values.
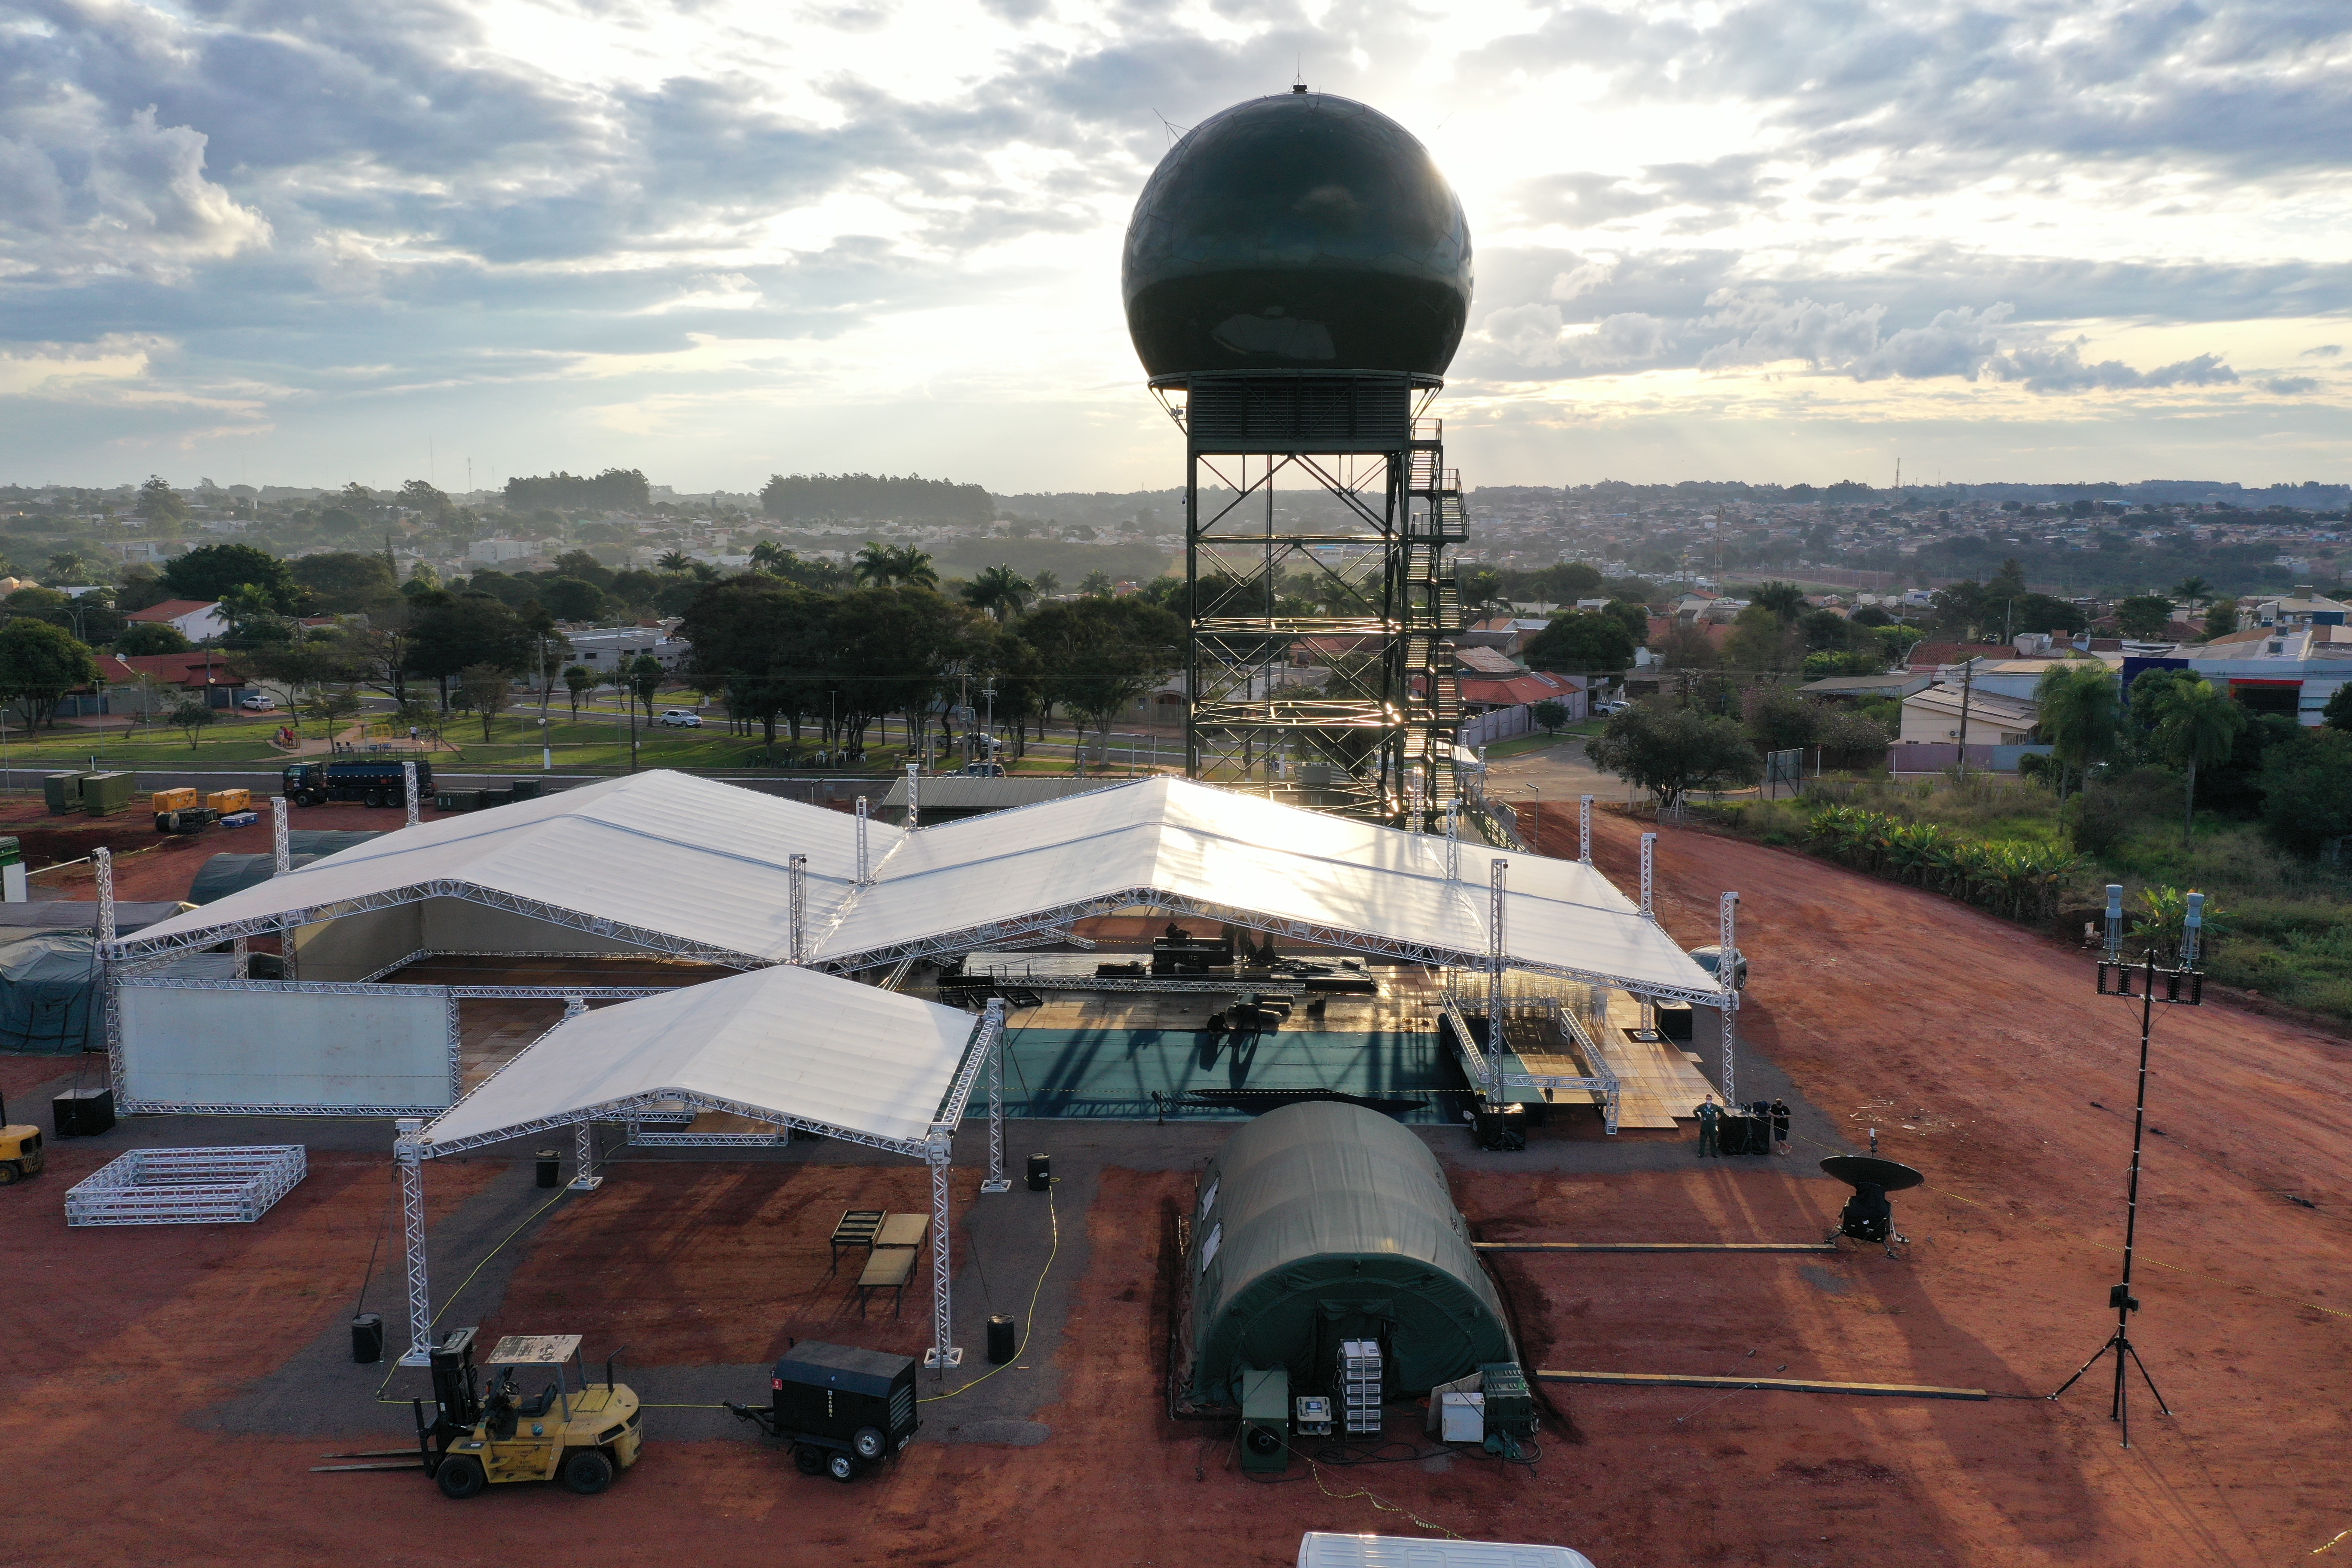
x=1869, y=1170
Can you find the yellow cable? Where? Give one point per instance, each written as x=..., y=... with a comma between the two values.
x=1028, y=1323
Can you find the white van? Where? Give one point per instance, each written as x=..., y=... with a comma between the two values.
x=1319, y=1549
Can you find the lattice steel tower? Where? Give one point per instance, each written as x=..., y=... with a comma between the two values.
x=1297, y=276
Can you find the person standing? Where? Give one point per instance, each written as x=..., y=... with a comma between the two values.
x=1780, y=1125
x=1706, y=1115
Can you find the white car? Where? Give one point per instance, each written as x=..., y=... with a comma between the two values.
x=257, y=702
x=1615, y=708
x=680, y=718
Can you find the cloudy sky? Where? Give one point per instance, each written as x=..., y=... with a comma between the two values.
x=303, y=241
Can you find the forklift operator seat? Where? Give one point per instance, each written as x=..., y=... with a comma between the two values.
x=532, y=1409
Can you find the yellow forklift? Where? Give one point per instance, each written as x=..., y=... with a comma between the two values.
x=21, y=1153
x=574, y=1431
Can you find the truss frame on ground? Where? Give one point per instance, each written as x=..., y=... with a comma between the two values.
x=229, y=1185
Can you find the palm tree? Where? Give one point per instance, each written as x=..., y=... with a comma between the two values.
x=675, y=561
x=2193, y=591
x=2080, y=716
x=1000, y=591
x=2196, y=723
x=1096, y=586
x=1047, y=582
x=913, y=567
x=876, y=564
x=767, y=555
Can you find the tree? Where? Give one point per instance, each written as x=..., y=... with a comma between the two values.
x=148, y=637
x=2004, y=585
x=1550, y=714
x=346, y=582
x=420, y=496
x=913, y=568
x=1046, y=582
x=2196, y=723
x=572, y=599
x=332, y=709
x=1672, y=751
x=2041, y=612
x=469, y=630
x=1785, y=600
x=2080, y=715
x=252, y=617
x=1581, y=642
x=766, y=643
x=2221, y=619
x=876, y=565
x=675, y=561
x=1636, y=617
x=2144, y=615
x=2307, y=790
x=208, y=572
x=644, y=674
x=1779, y=719
x=1761, y=640
x=2192, y=591
x=160, y=505
x=1100, y=654
x=1687, y=648
x=189, y=716
x=488, y=689
x=1000, y=591
x=579, y=680
x=1096, y=584
x=40, y=663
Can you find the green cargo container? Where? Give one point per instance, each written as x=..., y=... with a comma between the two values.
x=458, y=800
x=63, y=793
x=490, y=797
x=103, y=794
x=526, y=789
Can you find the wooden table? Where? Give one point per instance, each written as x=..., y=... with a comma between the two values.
x=904, y=1230
x=888, y=1269
x=857, y=1227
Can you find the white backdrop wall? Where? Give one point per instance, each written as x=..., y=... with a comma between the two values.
x=304, y=1047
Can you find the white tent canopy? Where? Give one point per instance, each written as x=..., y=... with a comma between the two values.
x=677, y=864
x=778, y=1044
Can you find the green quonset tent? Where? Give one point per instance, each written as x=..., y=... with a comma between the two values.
x=1323, y=1222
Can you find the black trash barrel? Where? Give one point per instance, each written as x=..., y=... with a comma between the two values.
x=1041, y=1172
x=547, y=1161
x=1001, y=1339
x=367, y=1338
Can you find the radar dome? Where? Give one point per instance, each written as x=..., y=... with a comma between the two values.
x=1302, y=231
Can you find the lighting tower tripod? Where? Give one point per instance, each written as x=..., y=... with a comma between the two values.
x=1371, y=508
x=2183, y=986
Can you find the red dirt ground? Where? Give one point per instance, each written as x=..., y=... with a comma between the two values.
x=1976, y=1046
x=152, y=865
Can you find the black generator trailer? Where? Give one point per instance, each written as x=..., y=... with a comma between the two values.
x=375, y=782
x=838, y=1408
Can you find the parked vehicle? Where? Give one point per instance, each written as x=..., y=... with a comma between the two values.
x=1710, y=958
x=257, y=702
x=681, y=719
x=838, y=1408
x=373, y=782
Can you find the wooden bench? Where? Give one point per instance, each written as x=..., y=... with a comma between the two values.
x=888, y=1269
x=855, y=1229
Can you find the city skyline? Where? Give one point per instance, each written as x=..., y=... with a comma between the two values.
x=1778, y=241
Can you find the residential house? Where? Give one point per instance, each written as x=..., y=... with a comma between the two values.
x=156, y=682
x=198, y=620
x=1934, y=717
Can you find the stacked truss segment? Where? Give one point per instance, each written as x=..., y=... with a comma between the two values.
x=1318, y=509
x=187, y=1186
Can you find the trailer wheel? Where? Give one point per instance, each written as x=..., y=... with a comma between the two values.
x=460, y=1477
x=808, y=1461
x=841, y=1467
x=869, y=1442
x=374, y=797
x=10, y=1171
x=587, y=1472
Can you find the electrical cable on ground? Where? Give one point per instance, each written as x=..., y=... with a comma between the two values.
x=1029, y=1319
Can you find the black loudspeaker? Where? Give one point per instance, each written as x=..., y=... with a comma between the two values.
x=367, y=1338
x=1041, y=1172
x=83, y=1113
x=1003, y=1339
x=549, y=1163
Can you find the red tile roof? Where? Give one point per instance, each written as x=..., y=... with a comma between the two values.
x=1535, y=687
x=170, y=609
x=191, y=669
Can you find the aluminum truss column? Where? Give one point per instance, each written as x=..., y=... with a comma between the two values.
x=1495, y=947
x=797, y=885
x=914, y=786
x=942, y=1353
x=408, y=788
x=1584, y=830
x=281, y=853
x=993, y=1022
x=1726, y=966
x=101, y=861
x=864, y=872
x=1649, y=870
x=584, y=1158
x=408, y=1154
x=1454, y=840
